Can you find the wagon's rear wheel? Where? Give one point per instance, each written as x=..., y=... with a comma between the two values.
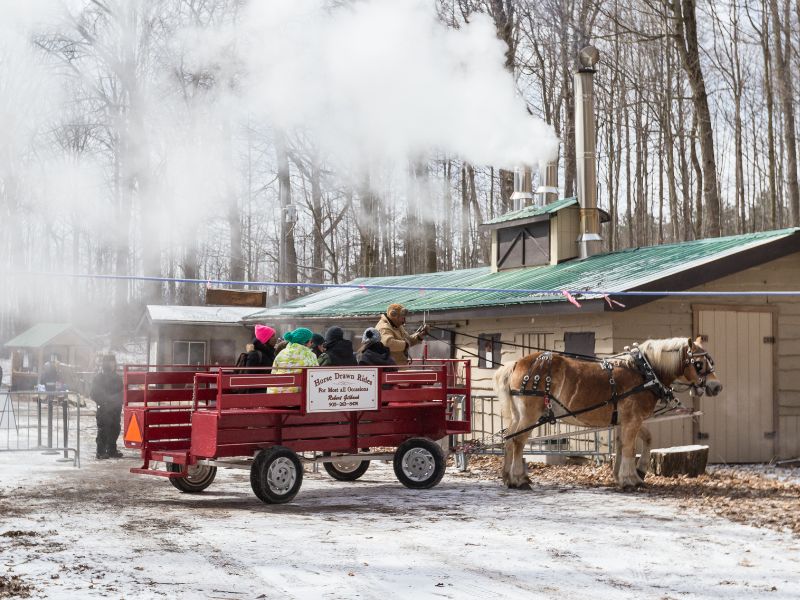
x=276, y=475
x=346, y=470
x=198, y=479
x=419, y=463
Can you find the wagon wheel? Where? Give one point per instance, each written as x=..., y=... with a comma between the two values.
x=346, y=470
x=276, y=475
x=419, y=463
x=198, y=479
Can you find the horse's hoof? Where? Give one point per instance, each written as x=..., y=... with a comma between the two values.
x=629, y=485
x=524, y=486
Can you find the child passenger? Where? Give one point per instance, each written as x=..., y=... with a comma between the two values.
x=372, y=352
x=297, y=353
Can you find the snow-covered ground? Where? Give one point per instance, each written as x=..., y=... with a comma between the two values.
x=99, y=531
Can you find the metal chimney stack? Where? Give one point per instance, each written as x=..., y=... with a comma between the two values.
x=589, y=241
x=549, y=189
x=523, y=188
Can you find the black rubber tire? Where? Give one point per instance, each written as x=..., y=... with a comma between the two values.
x=419, y=463
x=276, y=475
x=352, y=475
x=194, y=483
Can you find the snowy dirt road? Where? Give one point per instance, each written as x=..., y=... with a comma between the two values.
x=99, y=531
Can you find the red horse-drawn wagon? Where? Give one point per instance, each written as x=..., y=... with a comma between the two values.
x=192, y=420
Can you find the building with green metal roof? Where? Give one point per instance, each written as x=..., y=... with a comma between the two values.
x=42, y=342
x=479, y=292
x=500, y=312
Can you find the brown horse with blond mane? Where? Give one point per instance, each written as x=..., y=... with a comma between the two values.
x=623, y=390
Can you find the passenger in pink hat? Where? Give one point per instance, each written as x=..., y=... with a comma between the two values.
x=262, y=353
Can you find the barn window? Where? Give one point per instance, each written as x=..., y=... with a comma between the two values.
x=523, y=246
x=579, y=343
x=188, y=353
x=489, y=351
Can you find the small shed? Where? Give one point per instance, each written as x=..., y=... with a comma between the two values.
x=755, y=340
x=44, y=342
x=195, y=335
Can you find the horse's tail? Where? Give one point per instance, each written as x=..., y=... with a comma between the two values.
x=502, y=387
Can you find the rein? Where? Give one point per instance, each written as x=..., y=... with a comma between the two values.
x=642, y=365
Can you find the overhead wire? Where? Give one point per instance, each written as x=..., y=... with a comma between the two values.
x=559, y=293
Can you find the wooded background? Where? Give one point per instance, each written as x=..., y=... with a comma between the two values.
x=696, y=138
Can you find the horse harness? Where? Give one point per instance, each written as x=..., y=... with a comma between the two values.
x=544, y=363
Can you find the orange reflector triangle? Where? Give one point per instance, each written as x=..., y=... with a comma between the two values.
x=134, y=434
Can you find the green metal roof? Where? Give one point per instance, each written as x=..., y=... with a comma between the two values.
x=529, y=212
x=44, y=334
x=614, y=271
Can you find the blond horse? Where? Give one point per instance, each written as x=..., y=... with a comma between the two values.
x=583, y=387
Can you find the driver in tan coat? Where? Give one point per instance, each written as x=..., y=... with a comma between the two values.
x=394, y=336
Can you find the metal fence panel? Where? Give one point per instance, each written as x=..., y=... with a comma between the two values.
x=49, y=422
x=559, y=439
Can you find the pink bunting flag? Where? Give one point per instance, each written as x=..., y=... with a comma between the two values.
x=611, y=302
x=571, y=298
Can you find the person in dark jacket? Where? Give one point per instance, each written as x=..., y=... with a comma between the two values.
x=338, y=351
x=107, y=394
x=317, y=344
x=49, y=377
x=372, y=352
x=263, y=351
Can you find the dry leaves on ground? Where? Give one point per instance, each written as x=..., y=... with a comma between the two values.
x=13, y=587
x=739, y=495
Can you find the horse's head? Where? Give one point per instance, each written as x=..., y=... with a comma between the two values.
x=698, y=369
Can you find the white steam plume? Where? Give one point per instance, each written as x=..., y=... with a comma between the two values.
x=381, y=80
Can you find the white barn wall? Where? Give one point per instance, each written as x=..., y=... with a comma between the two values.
x=670, y=318
x=674, y=317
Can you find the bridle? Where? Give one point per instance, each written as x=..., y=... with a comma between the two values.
x=703, y=365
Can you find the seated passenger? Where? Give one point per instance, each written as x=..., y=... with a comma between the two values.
x=317, y=344
x=372, y=352
x=262, y=353
x=297, y=353
x=338, y=351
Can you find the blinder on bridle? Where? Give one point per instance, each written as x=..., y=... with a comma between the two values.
x=703, y=365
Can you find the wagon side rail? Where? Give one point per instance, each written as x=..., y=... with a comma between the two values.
x=158, y=405
x=459, y=392
x=260, y=409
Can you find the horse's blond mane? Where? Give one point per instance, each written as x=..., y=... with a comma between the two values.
x=664, y=356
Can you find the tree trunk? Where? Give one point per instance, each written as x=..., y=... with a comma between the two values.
x=368, y=232
x=783, y=71
x=698, y=223
x=288, y=254
x=464, y=217
x=685, y=37
x=318, y=242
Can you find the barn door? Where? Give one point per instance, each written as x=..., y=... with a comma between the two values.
x=739, y=425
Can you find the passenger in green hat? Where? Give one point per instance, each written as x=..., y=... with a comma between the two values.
x=298, y=353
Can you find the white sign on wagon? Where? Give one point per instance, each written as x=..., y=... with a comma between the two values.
x=338, y=389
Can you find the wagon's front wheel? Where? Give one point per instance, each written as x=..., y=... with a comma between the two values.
x=419, y=463
x=276, y=475
x=198, y=478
